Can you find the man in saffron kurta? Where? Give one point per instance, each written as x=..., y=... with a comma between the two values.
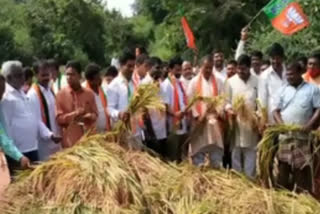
x=76, y=110
x=206, y=84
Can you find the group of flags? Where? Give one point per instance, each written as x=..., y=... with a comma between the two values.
x=286, y=16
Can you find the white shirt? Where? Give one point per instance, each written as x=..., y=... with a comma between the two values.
x=158, y=119
x=46, y=147
x=221, y=74
x=235, y=87
x=22, y=121
x=168, y=92
x=101, y=121
x=147, y=79
x=118, y=95
x=63, y=83
x=269, y=85
x=185, y=82
x=240, y=49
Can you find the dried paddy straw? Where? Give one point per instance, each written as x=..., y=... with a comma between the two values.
x=268, y=147
x=245, y=114
x=99, y=177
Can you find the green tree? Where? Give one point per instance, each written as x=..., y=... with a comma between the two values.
x=216, y=24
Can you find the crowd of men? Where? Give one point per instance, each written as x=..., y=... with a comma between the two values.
x=53, y=109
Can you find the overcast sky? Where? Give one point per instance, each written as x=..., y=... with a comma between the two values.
x=124, y=6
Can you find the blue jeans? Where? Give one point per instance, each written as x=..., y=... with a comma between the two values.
x=244, y=161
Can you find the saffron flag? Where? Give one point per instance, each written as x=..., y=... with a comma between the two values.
x=286, y=16
x=188, y=33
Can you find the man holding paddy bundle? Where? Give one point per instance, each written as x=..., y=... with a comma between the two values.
x=176, y=102
x=243, y=85
x=210, y=141
x=298, y=104
x=120, y=93
x=76, y=110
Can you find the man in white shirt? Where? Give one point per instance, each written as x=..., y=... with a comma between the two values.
x=109, y=74
x=155, y=121
x=187, y=74
x=120, y=92
x=243, y=84
x=93, y=83
x=219, y=69
x=21, y=118
x=141, y=70
x=176, y=101
x=256, y=56
x=58, y=78
x=272, y=79
x=42, y=96
x=205, y=84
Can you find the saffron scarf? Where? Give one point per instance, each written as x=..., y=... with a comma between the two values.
x=199, y=90
x=43, y=105
x=135, y=80
x=104, y=102
x=176, y=104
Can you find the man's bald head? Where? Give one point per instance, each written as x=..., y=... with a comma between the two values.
x=187, y=70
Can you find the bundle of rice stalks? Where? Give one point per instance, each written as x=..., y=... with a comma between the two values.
x=262, y=114
x=84, y=177
x=192, y=190
x=268, y=147
x=245, y=114
x=146, y=97
x=98, y=177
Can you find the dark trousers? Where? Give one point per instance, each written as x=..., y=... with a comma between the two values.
x=176, y=148
x=14, y=165
x=301, y=179
x=157, y=146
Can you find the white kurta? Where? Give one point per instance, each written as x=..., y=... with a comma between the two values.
x=21, y=120
x=212, y=136
x=185, y=83
x=46, y=147
x=269, y=85
x=168, y=92
x=118, y=94
x=102, y=120
x=223, y=75
x=158, y=119
x=63, y=83
x=246, y=137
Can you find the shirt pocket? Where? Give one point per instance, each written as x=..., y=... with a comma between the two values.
x=304, y=101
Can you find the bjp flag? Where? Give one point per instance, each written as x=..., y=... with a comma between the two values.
x=286, y=16
x=188, y=33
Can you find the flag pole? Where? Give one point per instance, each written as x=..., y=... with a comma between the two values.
x=257, y=15
x=254, y=18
